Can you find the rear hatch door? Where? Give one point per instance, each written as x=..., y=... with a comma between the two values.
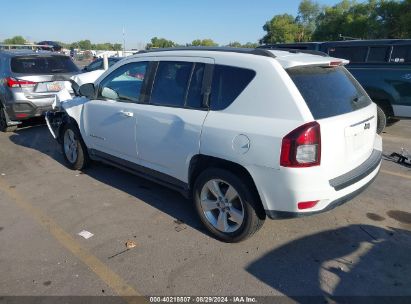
x=346, y=115
x=44, y=74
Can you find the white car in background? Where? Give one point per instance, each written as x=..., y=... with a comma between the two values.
x=247, y=133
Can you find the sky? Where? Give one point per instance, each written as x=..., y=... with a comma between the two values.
x=181, y=21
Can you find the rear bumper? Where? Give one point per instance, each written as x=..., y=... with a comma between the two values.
x=272, y=214
x=21, y=110
x=281, y=190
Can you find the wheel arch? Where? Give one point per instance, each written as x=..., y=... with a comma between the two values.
x=66, y=119
x=200, y=162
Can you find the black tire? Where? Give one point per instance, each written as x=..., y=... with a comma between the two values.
x=249, y=202
x=80, y=160
x=3, y=122
x=381, y=120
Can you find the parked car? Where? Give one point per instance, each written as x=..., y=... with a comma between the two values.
x=98, y=64
x=50, y=45
x=383, y=68
x=246, y=133
x=29, y=82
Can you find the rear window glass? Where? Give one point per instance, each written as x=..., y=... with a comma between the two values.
x=228, y=83
x=329, y=91
x=43, y=65
x=378, y=54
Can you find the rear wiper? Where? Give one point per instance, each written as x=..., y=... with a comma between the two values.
x=57, y=70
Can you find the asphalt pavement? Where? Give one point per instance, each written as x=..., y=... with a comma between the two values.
x=360, y=248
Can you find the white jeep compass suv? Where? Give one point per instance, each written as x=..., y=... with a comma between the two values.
x=247, y=133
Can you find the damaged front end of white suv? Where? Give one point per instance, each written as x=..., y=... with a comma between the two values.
x=67, y=108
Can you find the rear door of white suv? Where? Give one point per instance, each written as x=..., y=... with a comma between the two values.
x=169, y=126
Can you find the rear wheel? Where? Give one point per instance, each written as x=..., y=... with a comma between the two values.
x=74, y=149
x=226, y=205
x=381, y=120
x=3, y=122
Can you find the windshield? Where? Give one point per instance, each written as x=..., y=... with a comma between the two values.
x=329, y=91
x=43, y=65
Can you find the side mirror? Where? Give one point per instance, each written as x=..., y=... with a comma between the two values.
x=87, y=90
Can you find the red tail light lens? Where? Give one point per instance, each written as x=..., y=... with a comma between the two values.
x=302, y=147
x=18, y=83
x=21, y=115
x=306, y=205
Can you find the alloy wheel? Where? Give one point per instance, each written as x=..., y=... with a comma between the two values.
x=70, y=146
x=222, y=205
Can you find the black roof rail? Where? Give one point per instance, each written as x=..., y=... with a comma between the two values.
x=257, y=51
x=291, y=50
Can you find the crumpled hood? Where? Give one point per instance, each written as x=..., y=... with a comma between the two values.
x=64, y=100
x=89, y=77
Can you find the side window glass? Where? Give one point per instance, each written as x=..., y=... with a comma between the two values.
x=124, y=84
x=194, y=96
x=401, y=54
x=111, y=62
x=96, y=65
x=378, y=54
x=170, y=84
x=228, y=83
x=353, y=54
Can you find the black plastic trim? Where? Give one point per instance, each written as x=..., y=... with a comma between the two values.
x=150, y=174
x=257, y=51
x=273, y=214
x=353, y=176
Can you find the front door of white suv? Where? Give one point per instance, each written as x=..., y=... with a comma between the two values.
x=169, y=127
x=110, y=120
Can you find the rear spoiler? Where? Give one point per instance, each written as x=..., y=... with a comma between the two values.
x=294, y=51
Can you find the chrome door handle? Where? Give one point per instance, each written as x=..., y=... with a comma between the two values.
x=127, y=114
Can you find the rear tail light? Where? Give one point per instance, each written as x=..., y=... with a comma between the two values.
x=21, y=115
x=18, y=83
x=302, y=147
x=306, y=205
x=335, y=63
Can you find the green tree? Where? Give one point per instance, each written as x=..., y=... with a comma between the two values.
x=331, y=22
x=160, y=43
x=405, y=19
x=281, y=28
x=308, y=12
x=235, y=44
x=117, y=47
x=203, y=42
x=15, y=40
x=394, y=19
x=85, y=44
x=250, y=45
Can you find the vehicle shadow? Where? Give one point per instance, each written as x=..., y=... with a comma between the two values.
x=341, y=265
x=160, y=197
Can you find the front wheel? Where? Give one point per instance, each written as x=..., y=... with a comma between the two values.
x=226, y=205
x=74, y=149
